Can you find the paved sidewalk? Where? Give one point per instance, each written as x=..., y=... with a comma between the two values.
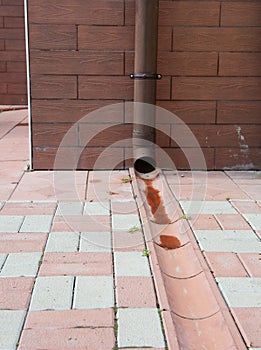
x=76, y=274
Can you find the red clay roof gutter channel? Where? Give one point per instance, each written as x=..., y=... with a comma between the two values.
x=196, y=313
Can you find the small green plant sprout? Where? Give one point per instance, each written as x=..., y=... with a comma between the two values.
x=228, y=198
x=185, y=217
x=135, y=228
x=146, y=252
x=126, y=180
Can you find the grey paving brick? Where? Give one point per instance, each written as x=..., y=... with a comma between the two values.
x=139, y=328
x=93, y=292
x=254, y=220
x=52, y=293
x=238, y=241
x=21, y=264
x=241, y=291
x=124, y=222
x=2, y=259
x=37, y=223
x=95, y=242
x=96, y=208
x=11, y=323
x=62, y=242
x=207, y=207
x=70, y=208
x=9, y=223
x=131, y=264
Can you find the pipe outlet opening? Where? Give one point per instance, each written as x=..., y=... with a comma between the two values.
x=145, y=165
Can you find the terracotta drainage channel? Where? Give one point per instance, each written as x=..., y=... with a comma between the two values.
x=197, y=315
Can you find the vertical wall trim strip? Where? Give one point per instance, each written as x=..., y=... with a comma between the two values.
x=28, y=81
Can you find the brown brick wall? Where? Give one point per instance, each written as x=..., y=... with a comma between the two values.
x=12, y=53
x=82, y=51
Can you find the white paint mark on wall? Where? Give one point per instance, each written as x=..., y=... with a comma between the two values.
x=241, y=138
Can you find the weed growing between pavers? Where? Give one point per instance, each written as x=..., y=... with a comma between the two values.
x=115, y=308
x=162, y=328
x=134, y=228
x=126, y=180
x=185, y=217
x=146, y=252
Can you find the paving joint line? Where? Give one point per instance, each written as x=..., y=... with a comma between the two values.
x=244, y=265
x=18, y=182
x=24, y=216
x=12, y=128
x=243, y=217
x=73, y=292
x=115, y=308
x=217, y=221
x=29, y=304
x=3, y=264
x=231, y=178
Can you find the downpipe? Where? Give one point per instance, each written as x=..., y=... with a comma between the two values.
x=145, y=77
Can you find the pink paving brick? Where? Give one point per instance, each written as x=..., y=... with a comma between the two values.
x=11, y=118
x=123, y=207
x=135, y=292
x=69, y=186
x=68, y=338
x=244, y=177
x=61, y=225
x=188, y=192
x=232, y=222
x=22, y=242
x=253, y=191
x=210, y=190
x=203, y=222
x=83, y=223
x=103, y=185
x=6, y=191
x=11, y=172
x=252, y=263
x=126, y=241
x=218, y=192
x=15, y=293
x=225, y=264
x=16, y=142
x=98, y=186
x=247, y=207
x=37, y=185
x=249, y=323
x=28, y=208
x=76, y=264
x=59, y=319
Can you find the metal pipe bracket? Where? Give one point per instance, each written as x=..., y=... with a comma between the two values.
x=145, y=76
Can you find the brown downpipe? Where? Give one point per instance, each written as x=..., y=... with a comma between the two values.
x=145, y=76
